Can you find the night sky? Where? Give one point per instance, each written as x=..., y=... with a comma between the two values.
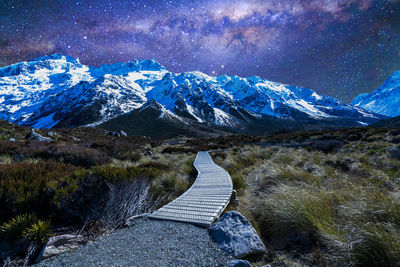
x=336, y=47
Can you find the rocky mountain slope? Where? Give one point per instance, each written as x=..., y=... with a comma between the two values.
x=59, y=91
x=385, y=100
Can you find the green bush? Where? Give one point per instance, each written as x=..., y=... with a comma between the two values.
x=14, y=228
x=29, y=187
x=40, y=231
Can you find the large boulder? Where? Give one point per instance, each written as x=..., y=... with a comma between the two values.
x=236, y=236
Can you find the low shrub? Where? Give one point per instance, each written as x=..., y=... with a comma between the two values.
x=15, y=228
x=327, y=145
x=39, y=231
x=74, y=154
x=153, y=165
x=29, y=187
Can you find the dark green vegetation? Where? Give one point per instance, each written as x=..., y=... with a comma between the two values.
x=83, y=181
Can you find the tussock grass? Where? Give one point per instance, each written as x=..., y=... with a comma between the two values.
x=339, y=208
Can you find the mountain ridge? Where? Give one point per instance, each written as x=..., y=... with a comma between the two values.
x=59, y=91
x=385, y=99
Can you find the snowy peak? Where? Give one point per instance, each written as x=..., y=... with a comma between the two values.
x=57, y=90
x=133, y=66
x=385, y=100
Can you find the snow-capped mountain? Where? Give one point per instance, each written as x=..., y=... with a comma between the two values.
x=59, y=91
x=385, y=100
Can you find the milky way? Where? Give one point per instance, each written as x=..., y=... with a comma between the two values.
x=336, y=47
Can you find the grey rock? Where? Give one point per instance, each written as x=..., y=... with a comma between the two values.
x=52, y=134
x=117, y=133
x=312, y=168
x=76, y=139
x=394, y=152
x=123, y=133
x=239, y=263
x=236, y=236
x=35, y=136
x=148, y=153
x=61, y=243
x=234, y=198
x=11, y=139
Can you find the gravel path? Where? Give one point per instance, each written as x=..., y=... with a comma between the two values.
x=147, y=243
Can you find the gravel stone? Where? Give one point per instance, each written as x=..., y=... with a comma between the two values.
x=147, y=243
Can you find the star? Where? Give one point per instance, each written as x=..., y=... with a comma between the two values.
x=327, y=46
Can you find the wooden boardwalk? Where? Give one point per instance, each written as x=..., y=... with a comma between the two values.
x=205, y=200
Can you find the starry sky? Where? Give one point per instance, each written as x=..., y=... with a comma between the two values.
x=336, y=47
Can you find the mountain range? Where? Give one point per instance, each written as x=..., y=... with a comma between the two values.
x=385, y=100
x=143, y=97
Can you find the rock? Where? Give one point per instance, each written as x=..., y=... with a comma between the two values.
x=234, y=198
x=35, y=136
x=123, y=133
x=52, y=134
x=239, y=263
x=148, y=153
x=117, y=133
x=236, y=236
x=312, y=168
x=11, y=139
x=61, y=243
x=394, y=152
